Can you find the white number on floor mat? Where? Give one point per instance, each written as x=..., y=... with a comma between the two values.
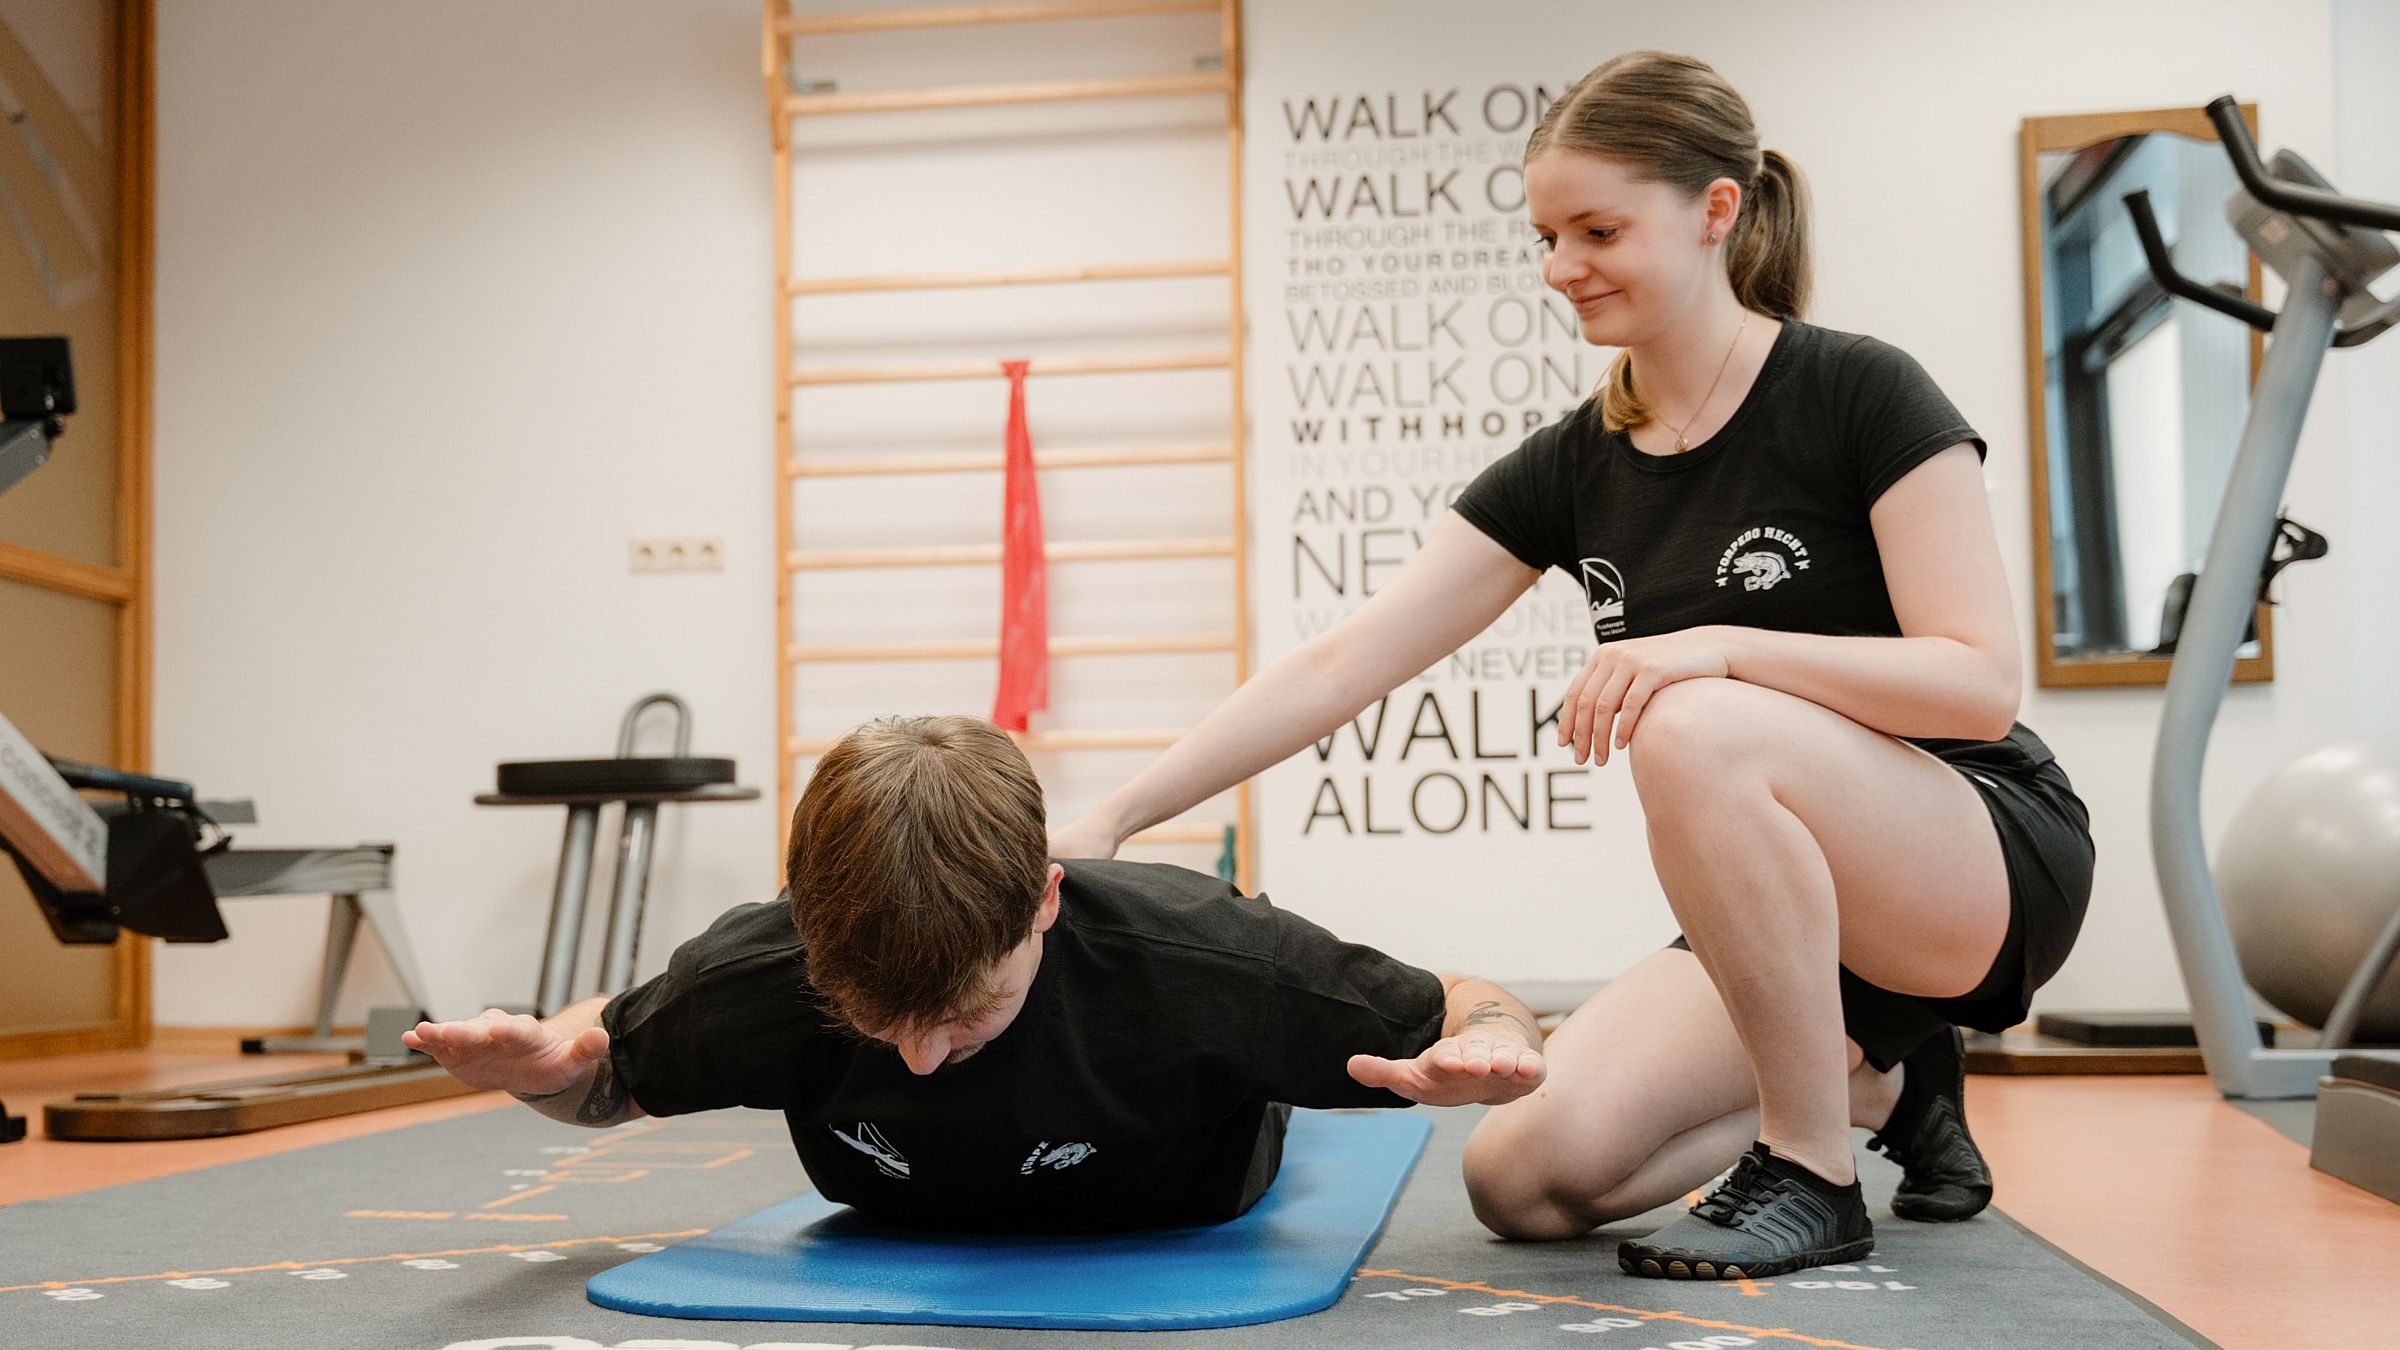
x=430, y=1264
x=1599, y=1324
x=639, y=1247
x=322, y=1274
x=73, y=1295
x=1418, y=1292
x=1852, y=1285
x=539, y=1256
x=201, y=1284
x=1500, y=1309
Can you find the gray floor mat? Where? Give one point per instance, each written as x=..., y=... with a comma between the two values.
x=480, y=1232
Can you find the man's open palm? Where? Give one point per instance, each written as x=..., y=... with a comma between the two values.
x=509, y=1052
x=1457, y=1071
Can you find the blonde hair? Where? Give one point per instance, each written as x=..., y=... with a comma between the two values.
x=1672, y=119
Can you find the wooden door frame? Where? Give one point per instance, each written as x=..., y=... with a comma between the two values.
x=127, y=584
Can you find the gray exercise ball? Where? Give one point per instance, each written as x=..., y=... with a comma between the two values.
x=2310, y=874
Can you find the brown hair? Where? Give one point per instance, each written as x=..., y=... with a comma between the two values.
x=1672, y=119
x=918, y=857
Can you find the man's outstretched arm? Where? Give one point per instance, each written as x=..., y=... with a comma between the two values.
x=1490, y=1051
x=558, y=1066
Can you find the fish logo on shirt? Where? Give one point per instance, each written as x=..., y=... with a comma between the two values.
x=871, y=1142
x=1057, y=1159
x=1760, y=571
x=1763, y=558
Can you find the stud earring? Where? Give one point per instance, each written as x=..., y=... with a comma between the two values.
x=1710, y=240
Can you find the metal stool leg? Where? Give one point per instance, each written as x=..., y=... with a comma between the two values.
x=341, y=936
x=382, y=912
x=632, y=890
x=566, y=910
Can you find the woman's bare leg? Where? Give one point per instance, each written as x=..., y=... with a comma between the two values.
x=1650, y=1096
x=1791, y=841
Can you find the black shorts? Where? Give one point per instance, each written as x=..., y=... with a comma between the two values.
x=2046, y=844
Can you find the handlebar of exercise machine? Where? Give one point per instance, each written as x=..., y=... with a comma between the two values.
x=2338, y=227
x=2298, y=198
x=2173, y=282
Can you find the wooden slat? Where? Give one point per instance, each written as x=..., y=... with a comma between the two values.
x=1229, y=38
x=878, y=466
x=968, y=16
x=137, y=221
x=1180, y=834
x=1031, y=742
x=51, y=572
x=993, y=95
x=967, y=555
x=1155, y=645
x=980, y=370
x=787, y=791
x=1023, y=276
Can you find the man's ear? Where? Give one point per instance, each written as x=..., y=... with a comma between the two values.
x=1048, y=913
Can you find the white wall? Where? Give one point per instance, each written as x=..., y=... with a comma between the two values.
x=454, y=299
x=2358, y=403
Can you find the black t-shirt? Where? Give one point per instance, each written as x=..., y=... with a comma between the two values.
x=1138, y=1086
x=1763, y=525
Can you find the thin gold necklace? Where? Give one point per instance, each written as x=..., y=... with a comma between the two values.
x=1681, y=444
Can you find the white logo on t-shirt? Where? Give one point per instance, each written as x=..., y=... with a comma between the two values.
x=871, y=1142
x=1057, y=1159
x=1763, y=558
x=1604, y=589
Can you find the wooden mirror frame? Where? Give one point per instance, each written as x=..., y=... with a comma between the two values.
x=2040, y=136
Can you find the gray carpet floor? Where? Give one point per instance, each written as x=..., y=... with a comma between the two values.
x=478, y=1234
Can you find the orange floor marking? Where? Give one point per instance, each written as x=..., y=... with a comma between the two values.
x=521, y=1195
x=355, y=1261
x=1646, y=1314
x=1754, y=1288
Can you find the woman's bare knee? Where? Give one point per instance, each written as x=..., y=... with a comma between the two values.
x=1516, y=1203
x=1534, y=1168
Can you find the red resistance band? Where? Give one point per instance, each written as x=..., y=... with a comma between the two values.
x=1024, y=580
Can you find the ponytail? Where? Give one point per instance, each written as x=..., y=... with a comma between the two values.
x=1767, y=256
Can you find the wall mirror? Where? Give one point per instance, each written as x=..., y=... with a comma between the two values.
x=2136, y=400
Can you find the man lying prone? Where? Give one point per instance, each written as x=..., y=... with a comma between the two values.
x=963, y=1034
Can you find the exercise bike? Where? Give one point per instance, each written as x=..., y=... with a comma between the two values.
x=2328, y=249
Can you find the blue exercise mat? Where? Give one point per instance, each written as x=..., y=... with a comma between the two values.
x=811, y=1260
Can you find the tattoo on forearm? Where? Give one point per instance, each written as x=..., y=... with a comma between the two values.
x=606, y=1101
x=602, y=1103
x=1490, y=1010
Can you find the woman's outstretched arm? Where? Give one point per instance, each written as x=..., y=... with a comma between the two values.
x=1457, y=584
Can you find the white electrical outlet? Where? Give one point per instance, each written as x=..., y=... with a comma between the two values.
x=679, y=553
